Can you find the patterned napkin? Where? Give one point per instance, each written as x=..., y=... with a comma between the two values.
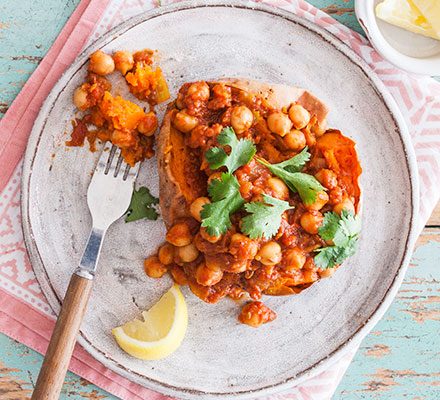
x=24, y=312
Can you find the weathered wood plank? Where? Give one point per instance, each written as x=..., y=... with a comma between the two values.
x=399, y=359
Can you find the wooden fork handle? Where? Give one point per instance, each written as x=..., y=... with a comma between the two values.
x=53, y=371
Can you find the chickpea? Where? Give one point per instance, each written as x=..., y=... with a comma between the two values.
x=196, y=207
x=310, y=276
x=320, y=201
x=80, y=98
x=179, y=235
x=208, y=276
x=188, y=253
x=180, y=101
x=184, y=122
x=279, y=188
x=295, y=140
x=154, y=268
x=166, y=254
x=101, y=63
x=210, y=238
x=318, y=129
x=123, y=139
x=124, y=61
x=241, y=119
x=255, y=314
x=327, y=178
x=311, y=221
x=345, y=204
x=299, y=116
x=178, y=275
x=214, y=261
x=148, y=124
x=239, y=266
x=199, y=91
x=335, y=195
x=279, y=123
x=325, y=273
x=269, y=254
x=243, y=247
x=215, y=175
x=294, y=259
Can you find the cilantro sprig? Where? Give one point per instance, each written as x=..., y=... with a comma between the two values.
x=264, y=219
x=226, y=200
x=344, y=231
x=306, y=185
x=241, y=152
x=142, y=205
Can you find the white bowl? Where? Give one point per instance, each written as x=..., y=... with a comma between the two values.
x=406, y=50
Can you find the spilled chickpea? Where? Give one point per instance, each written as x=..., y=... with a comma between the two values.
x=124, y=123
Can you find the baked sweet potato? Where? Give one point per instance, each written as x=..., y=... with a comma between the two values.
x=279, y=121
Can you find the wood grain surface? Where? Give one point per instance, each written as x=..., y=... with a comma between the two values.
x=398, y=360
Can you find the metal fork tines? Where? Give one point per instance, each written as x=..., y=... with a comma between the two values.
x=108, y=198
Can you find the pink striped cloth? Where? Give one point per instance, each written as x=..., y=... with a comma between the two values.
x=24, y=312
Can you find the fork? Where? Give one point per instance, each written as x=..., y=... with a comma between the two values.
x=108, y=197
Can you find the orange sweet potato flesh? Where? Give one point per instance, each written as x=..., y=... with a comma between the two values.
x=181, y=180
x=341, y=156
x=124, y=114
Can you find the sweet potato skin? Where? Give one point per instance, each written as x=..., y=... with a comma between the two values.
x=171, y=200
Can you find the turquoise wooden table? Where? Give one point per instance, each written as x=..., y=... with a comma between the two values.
x=400, y=358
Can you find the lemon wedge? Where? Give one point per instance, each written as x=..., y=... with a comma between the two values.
x=430, y=9
x=405, y=14
x=160, y=333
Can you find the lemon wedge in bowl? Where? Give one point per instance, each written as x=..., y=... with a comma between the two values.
x=405, y=14
x=160, y=333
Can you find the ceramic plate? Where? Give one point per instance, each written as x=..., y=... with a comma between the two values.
x=220, y=357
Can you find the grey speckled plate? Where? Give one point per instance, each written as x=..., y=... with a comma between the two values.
x=219, y=357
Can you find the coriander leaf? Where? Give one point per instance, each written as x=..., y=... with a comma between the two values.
x=264, y=219
x=329, y=226
x=306, y=185
x=344, y=231
x=227, y=199
x=296, y=163
x=330, y=256
x=349, y=227
x=142, y=205
x=241, y=152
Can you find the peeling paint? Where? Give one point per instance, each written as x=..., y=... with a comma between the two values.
x=378, y=351
x=385, y=379
x=420, y=312
x=33, y=59
x=3, y=107
x=334, y=9
x=93, y=395
x=12, y=388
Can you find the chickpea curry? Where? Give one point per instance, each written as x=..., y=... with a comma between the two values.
x=113, y=118
x=258, y=196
